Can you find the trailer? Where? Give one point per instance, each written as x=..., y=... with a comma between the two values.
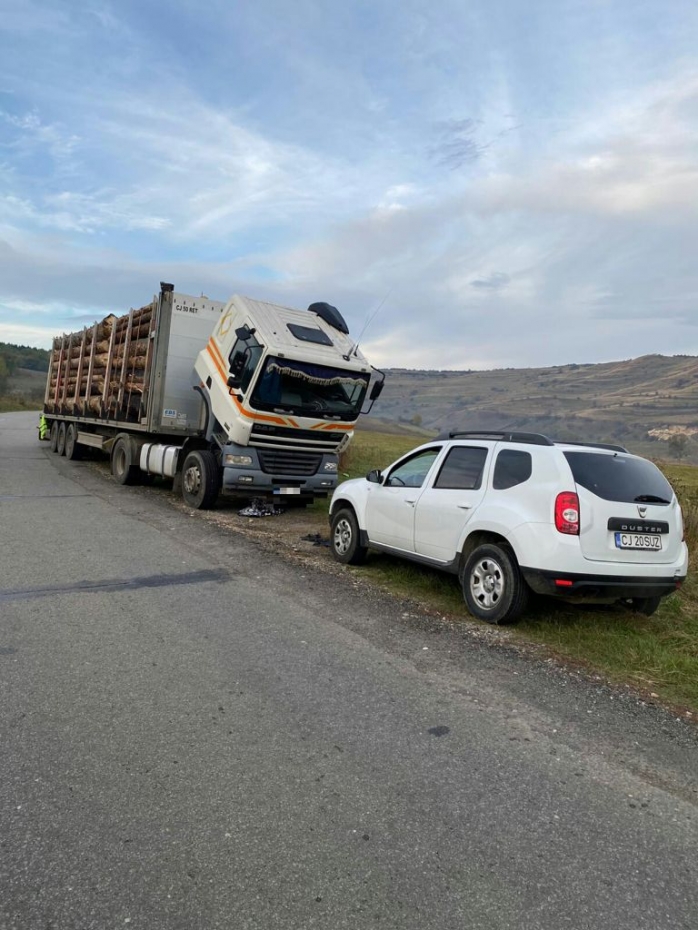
x=247, y=397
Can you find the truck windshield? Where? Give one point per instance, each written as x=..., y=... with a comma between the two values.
x=309, y=390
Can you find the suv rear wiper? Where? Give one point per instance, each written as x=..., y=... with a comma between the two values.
x=650, y=499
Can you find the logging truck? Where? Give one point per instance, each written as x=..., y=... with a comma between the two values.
x=246, y=397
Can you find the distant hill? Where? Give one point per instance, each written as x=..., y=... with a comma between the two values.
x=640, y=403
x=22, y=376
x=24, y=357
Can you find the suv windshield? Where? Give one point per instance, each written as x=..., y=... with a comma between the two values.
x=309, y=390
x=620, y=477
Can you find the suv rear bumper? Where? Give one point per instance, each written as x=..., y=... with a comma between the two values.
x=611, y=587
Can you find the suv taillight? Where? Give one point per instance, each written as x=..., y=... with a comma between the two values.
x=567, y=513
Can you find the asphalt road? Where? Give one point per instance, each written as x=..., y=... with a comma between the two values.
x=196, y=735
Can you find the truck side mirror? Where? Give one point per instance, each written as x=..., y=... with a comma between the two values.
x=376, y=390
x=233, y=382
x=375, y=476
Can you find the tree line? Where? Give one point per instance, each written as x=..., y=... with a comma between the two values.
x=13, y=357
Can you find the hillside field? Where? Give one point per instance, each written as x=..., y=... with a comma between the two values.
x=615, y=402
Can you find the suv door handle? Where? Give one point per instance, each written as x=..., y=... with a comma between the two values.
x=464, y=506
x=411, y=501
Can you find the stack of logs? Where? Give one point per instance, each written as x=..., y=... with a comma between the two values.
x=104, y=371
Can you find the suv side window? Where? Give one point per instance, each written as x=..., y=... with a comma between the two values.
x=511, y=468
x=411, y=474
x=462, y=469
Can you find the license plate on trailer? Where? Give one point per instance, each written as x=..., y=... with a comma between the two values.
x=287, y=490
x=638, y=541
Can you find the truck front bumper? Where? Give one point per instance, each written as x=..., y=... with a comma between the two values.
x=246, y=477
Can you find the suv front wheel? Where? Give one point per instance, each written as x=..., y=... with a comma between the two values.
x=345, y=538
x=493, y=588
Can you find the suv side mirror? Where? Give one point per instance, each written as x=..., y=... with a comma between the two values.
x=375, y=476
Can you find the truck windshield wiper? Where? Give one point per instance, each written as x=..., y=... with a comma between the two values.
x=650, y=499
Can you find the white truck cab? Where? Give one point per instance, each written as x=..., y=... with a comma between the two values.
x=286, y=387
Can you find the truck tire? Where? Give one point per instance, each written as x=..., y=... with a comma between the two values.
x=62, y=430
x=344, y=538
x=53, y=437
x=72, y=449
x=123, y=461
x=201, y=479
x=493, y=588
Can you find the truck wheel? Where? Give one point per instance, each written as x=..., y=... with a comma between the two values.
x=200, y=479
x=344, y=540
x=60, y=444
x=493, y=588
x=53, y=438
x=123, y=464
x=72, y=449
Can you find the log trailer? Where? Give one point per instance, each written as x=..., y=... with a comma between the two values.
x=248, y=398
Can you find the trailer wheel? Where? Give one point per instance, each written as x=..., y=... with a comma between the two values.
x=72, y=449
x=60, y=445
x=123, y=464
x=200, y=479
x=53, y=438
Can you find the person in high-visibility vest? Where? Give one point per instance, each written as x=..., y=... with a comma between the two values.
x=43, y=427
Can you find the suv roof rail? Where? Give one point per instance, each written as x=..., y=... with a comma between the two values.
x=612, y=447
x=536, y=439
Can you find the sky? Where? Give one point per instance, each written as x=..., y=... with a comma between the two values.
x=486, y=184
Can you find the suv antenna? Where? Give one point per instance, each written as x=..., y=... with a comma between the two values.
x=368, y=322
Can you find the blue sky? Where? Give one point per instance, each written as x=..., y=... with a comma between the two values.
x=519, y=179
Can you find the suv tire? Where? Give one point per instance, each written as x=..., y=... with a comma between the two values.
x=493, y=588
x=344, y=540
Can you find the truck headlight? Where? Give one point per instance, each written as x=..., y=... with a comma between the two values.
x=241, y=461
x=330, y=466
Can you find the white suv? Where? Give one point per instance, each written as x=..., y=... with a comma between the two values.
x=514, y=512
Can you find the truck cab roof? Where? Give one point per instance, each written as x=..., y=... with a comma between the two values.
x=285, y=330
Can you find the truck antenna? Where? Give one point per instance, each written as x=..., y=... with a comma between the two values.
x=368, y=322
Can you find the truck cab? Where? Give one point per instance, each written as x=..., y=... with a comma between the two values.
x=284, y=388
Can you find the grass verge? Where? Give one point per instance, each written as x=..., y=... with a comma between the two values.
x=11, y=403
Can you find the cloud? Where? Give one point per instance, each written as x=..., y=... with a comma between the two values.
x=517, y=206
x=494, y=281
x=457, y=144
x=32, y=133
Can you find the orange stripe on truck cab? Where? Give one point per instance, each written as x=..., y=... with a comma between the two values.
x=214, y=359
x=217, y=351
x=217, y=358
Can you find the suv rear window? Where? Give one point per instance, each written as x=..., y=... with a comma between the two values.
x=511, y=468
x=620, y=477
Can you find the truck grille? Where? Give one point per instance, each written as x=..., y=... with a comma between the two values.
x=281, y=438
x=289, y=462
